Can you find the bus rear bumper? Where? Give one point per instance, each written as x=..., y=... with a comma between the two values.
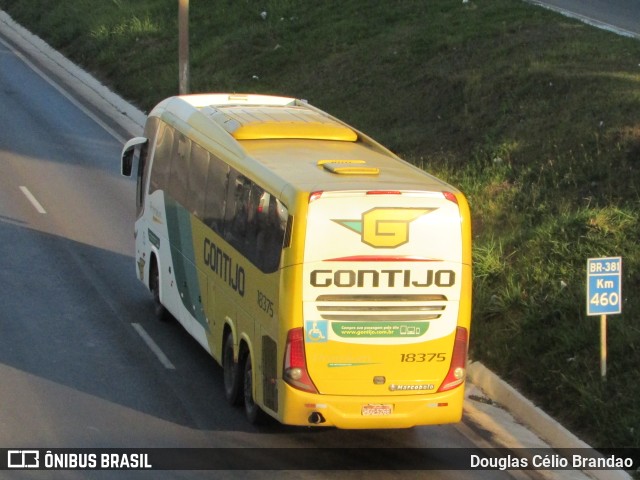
x=372, y=412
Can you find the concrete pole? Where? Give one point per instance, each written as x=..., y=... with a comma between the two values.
x=183, y=46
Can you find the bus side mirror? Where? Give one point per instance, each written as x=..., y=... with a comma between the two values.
x=127, y=154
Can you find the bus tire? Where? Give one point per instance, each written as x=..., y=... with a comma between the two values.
x=160, y=312
x=231, y=373
x=254, y=413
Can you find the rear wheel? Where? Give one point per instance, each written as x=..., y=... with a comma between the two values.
x=232, y=373
x=160, y=311
x=254, y=413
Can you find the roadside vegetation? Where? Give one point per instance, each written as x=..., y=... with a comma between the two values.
x=534, y=116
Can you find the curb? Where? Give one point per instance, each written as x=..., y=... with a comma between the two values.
x=533, y=417
x=41, y=56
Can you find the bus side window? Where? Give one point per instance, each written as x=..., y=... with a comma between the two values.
x=150, y=131
x=216, y=194
x=254, y=216
x=179, y=178
x=161, y=166
x=198, y=180
x=237, y=210
x=271, y=236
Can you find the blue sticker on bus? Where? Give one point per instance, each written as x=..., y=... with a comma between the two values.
x=316, y=331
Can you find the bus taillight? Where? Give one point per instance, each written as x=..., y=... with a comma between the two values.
x=313, y=196
x=295, y=363
x=457, y=370
x=451, y=197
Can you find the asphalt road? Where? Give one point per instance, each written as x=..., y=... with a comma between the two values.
x=76, y=369
x=621, y=15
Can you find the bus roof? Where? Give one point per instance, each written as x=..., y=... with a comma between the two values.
x=289, y=142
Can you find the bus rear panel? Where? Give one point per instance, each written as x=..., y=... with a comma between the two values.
x=383, y=288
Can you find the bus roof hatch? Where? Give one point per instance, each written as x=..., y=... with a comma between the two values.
x=269, y=122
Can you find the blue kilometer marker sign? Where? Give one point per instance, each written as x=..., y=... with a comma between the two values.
x=604, y=286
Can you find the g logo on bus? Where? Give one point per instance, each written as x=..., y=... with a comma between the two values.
x=385, y=227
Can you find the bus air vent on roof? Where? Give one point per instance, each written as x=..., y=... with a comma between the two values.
x=348, y=167
x=268, y=122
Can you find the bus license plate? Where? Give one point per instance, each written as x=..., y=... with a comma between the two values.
x=377, y=410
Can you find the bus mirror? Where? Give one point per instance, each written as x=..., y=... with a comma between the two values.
x=127, y=162
x=127, y=154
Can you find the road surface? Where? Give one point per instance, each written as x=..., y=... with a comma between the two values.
x=620, y=16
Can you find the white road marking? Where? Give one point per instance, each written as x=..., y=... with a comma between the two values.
x=34, y=201
x=153, y=346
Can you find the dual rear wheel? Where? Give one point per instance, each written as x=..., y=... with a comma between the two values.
x=238, y=381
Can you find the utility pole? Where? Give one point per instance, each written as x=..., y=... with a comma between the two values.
x=183, y=46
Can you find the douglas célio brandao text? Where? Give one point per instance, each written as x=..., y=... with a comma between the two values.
x=551, y=462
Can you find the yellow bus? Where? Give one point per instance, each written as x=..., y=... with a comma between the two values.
x=328, y=277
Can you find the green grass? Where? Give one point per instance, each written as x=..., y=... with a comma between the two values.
x=535, y=116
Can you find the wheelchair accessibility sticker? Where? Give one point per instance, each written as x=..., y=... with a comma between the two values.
x=316, y=330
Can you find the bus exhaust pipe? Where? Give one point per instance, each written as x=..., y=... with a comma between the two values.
x=316, y=418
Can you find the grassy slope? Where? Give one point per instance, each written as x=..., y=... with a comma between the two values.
x=536, y=117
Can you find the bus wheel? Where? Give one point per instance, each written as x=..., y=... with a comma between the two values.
x=231, y=371
x=254, y=413
x=160, y=311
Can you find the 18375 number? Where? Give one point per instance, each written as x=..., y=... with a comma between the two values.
x=422, y=357
x=265, y=304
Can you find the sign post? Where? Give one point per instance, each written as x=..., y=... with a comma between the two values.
x=604, y=297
